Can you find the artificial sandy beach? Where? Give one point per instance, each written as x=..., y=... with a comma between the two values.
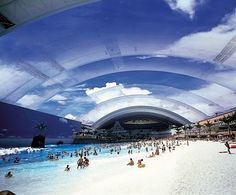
x=195, y=169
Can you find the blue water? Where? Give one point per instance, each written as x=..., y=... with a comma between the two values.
x=35, y=170
x=41, y=155
x=38, y=155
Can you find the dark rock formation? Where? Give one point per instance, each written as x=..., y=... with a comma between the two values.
x=7, y=192
x=60, y=142
x=38, y=141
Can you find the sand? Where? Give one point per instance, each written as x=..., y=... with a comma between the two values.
x=194, y=169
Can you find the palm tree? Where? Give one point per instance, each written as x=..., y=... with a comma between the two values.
x=227, y=120
x=233, y=117
x=198, y=126
x=209, y=125
x=184, y=128
x=178, y=131
x=39, y=140
x=41, y=127
x=189, y=126
x=129, y=133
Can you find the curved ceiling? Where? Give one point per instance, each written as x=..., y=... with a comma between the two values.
x=159, y=113
x=70, y=58
x=161, y=92
x=111, y=105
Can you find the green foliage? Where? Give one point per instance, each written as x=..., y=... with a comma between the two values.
x=178, y=130
x=198, y=125
x=226, y=119
x=229, y=119
x=184, y=127
x=233, y=117
x=208, y=124
x=189, y=126
x=41, y=126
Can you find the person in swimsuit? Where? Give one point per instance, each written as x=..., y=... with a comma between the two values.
x=140, y=165
x=131, y=162
x=80, y=163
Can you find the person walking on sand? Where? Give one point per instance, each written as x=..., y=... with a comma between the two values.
x=227, y=146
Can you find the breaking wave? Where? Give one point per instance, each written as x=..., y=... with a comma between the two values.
x=9, y=151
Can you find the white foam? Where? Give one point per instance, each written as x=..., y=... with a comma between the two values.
x=9, y=151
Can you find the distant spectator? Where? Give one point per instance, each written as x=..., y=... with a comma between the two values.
x=227, y=146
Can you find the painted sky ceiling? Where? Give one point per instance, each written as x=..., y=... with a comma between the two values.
x=91, y=60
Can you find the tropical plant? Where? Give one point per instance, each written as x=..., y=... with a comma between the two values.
x=184, y=128
x=227, y=120
x=233, y=117
x=178, y=131
x=189, y=126
x=198, y=126
x=41, y=127
x=209, y=125
x=129, y=133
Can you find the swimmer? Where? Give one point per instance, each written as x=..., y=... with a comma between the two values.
x=9, y=174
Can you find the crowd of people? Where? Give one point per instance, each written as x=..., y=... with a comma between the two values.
x=154, y=147
x=151, y=147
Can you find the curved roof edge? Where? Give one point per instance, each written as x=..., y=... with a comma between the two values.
x=155, y=111
x=17, y=13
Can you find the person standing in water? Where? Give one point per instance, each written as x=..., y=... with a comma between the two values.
x=228, y=147
x=80, y=163
x=67, y=168
x=157, y=151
